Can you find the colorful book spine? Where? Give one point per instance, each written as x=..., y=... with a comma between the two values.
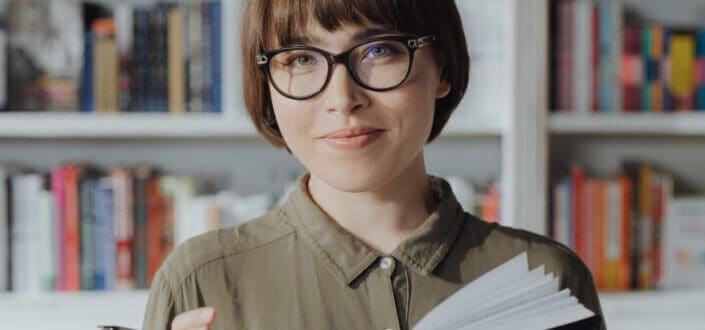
x=631, y=69
x=155, y=220
x=700, y=70
x=666, y=99
x=682, y=71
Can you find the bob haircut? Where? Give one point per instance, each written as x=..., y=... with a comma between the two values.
x=269, y=24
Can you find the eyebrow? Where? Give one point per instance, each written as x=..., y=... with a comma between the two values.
x=360, y=35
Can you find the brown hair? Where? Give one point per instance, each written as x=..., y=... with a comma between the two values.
x=269, y=22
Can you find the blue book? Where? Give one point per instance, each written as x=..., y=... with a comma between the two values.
x=664, y=64
x=140, y=70
x=216, y=52
x=700, y=75
x=86, y=89
x=105, y=264
x=607, y=59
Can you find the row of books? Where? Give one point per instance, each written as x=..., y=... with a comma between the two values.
x=627, y=228
x=81, y=228
x=606, y=59
x=70, y=56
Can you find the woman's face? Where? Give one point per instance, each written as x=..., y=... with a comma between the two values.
x=356, y=139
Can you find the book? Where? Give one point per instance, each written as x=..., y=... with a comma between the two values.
x=684, y=248
x=700, y=69
x=682, y=70
x=509, y=297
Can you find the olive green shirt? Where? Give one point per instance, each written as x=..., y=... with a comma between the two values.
x=295, y=268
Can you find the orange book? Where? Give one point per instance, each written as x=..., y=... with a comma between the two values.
x=625, y=211
x=72, y=261
x=646, y=224
x=599, y=241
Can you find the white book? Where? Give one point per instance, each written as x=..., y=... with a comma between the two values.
x=508, y=297
x=4, y=232
x=582, y=53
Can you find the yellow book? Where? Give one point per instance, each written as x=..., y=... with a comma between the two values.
x=176, y=73
x=682, y=71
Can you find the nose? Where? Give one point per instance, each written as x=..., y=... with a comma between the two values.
x=343, y=94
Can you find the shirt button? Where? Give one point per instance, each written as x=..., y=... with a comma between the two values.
x=386, y=262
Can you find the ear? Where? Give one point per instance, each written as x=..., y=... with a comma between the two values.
x=443, y=89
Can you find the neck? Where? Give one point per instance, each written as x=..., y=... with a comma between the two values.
x=384, y=216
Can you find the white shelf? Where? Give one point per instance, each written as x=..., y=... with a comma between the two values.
x=70, y=311
x=682, y=309
x=676, y=123
x=150, y=125
x=132, y=125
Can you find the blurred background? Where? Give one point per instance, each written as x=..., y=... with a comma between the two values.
x=123, y=133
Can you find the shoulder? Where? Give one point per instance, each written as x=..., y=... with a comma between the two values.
x=214, y=246
x=555, y=257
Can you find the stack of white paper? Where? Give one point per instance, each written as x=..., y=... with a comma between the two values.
x=508, y=297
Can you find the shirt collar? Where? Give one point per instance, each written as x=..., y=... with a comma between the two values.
x=347, y=257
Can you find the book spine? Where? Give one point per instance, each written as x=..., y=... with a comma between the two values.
x=154, y=228
x=207, y=48
x=3, y=76
x=123, y=214
x=104, y=237
x=631, y=69
x=216, y=23
x=88, y=252
x=656, y=51
x=195, y=58
x=47, y=262
x=582, y=11
x=613, y=236
x=646, y=103
x=625, y=207
x=578, y=209
x=158, y=93
x=4, y=230
x=665, y=70
x=140, y=229
x=595, y=60
x=124, y=41
x=645, y=271
x=599, y=241
x=87, y=74
x=700, y=69
x=682, y=69
x=59, y=197
x=564, y=49
x=72, y=229
x=177, y=75
x=140, y=72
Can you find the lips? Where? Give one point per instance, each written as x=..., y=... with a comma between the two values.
x=351, y=139
x=350, y=132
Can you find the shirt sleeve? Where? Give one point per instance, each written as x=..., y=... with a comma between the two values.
x=160, y=305
x=581, y=284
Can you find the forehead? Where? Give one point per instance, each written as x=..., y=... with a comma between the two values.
x=286, y=21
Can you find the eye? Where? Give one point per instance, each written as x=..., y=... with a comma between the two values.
x=302, y=60
x=377, y=51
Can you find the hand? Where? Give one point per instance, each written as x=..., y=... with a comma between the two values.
x=200, y=318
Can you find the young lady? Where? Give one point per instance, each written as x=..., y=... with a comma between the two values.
x=354, y=89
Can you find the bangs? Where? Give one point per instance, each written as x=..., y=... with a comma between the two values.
x=288, y=19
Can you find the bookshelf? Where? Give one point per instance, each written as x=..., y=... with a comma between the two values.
x=672, y=141
x=503, y=129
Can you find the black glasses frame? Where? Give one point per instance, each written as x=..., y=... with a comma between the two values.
x=412, y=44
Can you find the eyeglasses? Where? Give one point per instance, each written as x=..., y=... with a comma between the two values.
x=378, y=64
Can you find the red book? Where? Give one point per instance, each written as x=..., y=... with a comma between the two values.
x=631, y=75
x=155, y=220
x=595, y=59
x=578, y=196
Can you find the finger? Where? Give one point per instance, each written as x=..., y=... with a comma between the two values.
x=200, y=317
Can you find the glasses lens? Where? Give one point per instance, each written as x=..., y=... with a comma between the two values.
x=380, y=64
x=299, y=73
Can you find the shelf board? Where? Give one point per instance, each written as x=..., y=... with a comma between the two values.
x=679, y=123
x=126, y=125
x=72, y=310
x=667, y=309
x=150, y=125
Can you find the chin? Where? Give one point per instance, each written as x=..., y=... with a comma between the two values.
x=352, y=181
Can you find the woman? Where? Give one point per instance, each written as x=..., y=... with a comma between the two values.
x=368, y=240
